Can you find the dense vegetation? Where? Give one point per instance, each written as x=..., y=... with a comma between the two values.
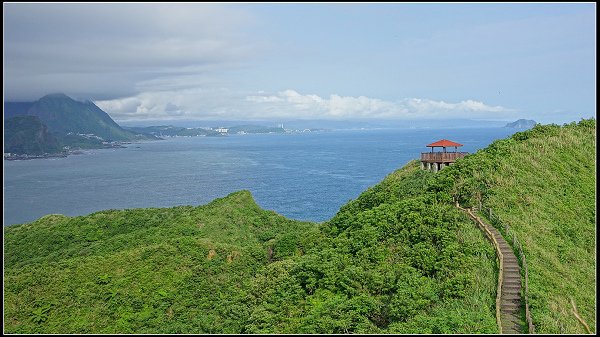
x=398, y=259
x=27, y=134
x=394, y=260
x=182, y=269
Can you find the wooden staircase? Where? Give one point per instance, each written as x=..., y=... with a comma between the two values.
x=508, y=306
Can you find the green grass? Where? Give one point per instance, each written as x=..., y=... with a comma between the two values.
x=542, y=183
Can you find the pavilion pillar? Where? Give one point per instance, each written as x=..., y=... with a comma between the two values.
x=428, y=166
x=422, y=165
x=435, y=167
x=442, y=165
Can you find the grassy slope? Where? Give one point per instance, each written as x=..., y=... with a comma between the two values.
x=182, y=269
x=542, y=183
x=547, y=195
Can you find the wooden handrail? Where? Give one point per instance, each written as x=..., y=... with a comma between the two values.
x=500, y=258
x=495, y=221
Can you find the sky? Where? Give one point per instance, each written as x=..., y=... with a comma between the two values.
x=335, y=61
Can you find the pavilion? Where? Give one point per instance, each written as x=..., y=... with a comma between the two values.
x=435, y=161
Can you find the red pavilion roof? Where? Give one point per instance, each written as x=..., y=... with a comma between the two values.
x=444, y=143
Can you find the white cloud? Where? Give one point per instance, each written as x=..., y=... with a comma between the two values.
x=290, y=103
x=198, y=103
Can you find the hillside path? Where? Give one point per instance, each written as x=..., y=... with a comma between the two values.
x=508, y=300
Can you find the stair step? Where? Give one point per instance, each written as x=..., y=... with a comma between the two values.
x=510, y=331
x=510, y=301
x=511, y=262
x=511, y=275
x=511, y=291
x=504, y=302
x=514, y=318
x=510, y=324
x=512, y=297
x=512, y=288
x=510, y=318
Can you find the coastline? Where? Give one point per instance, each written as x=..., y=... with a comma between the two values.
x=25, y=156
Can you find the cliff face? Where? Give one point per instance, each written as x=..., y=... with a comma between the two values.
x=27, y=135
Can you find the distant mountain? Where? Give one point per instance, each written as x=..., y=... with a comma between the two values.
x=28, y=135
x=63, y=115
x=521, y=124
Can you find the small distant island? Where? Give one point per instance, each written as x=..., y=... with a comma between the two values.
x=521, y=124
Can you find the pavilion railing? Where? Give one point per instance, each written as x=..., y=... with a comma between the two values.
x=440, y=157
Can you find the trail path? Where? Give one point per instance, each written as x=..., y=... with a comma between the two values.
x=508, y=301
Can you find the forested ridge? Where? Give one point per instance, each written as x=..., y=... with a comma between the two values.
x=398, y=259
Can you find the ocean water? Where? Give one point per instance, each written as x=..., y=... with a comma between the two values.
x=304, y=176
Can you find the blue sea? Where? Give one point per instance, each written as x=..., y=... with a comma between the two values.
x=304, y=176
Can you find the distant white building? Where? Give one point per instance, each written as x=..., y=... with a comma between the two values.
x=222, y=130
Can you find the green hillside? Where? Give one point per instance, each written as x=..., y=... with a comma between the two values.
x=181, y=269
x=542, y=183
x=398, y=259
x=394, y=260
